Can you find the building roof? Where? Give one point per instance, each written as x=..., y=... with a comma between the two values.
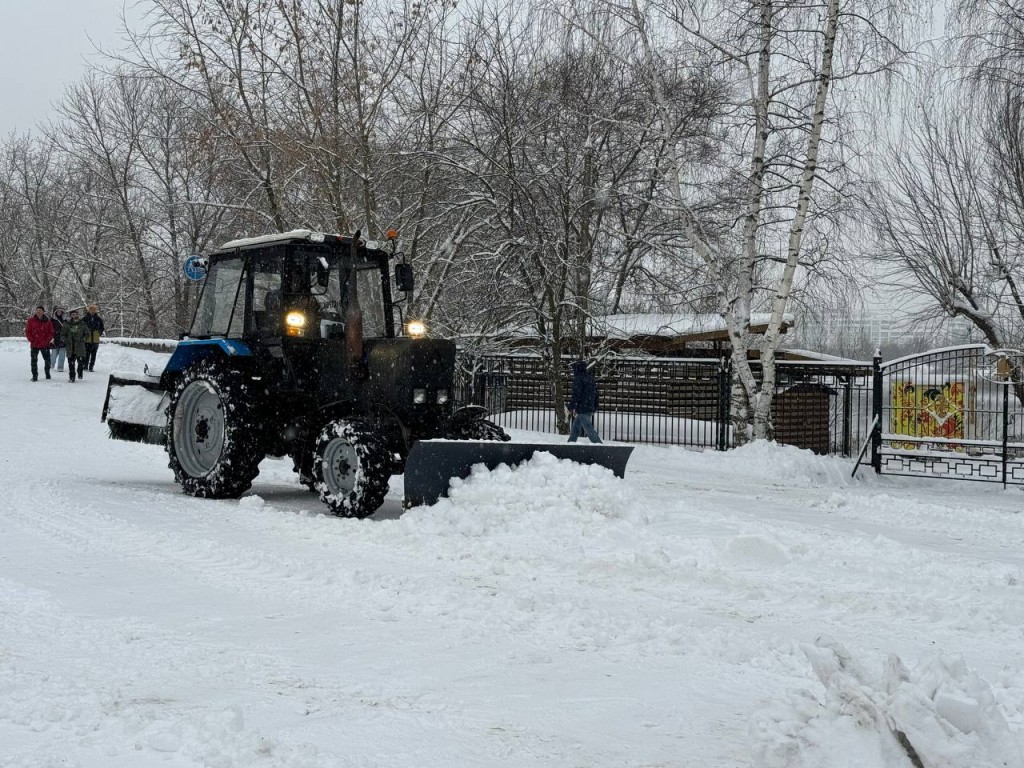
x=660, y=333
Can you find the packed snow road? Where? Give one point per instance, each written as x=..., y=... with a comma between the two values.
x=711, y=610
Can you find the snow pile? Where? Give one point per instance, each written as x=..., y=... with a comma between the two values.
x=939, y=715
x=777, y=464
x=536, y=495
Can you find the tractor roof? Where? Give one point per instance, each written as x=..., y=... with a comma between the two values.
x=283, y=237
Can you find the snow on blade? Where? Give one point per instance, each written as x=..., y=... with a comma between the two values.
x=542, y=493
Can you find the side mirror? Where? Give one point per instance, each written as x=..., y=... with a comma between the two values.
x=323, y=272
x=403, y=277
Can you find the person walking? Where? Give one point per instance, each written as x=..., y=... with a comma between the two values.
x=74, y=333
x=39, y=332
x=583, y=403
x=57, y=318
x=95, y=325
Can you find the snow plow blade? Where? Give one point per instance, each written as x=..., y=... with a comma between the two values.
x=135, y=408
x=432, y=464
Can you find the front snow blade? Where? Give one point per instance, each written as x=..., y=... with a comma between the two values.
x=432, y=464
x=135, y=408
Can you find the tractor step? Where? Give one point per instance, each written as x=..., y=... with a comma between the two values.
x=433, y=463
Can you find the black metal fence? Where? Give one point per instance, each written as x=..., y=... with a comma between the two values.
x=660, y=401
x=677, y=401
x=822, y=405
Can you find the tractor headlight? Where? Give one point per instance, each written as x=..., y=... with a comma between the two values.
x=295, y=323
x=442, y=396
x=416, y=328
x=419, y=396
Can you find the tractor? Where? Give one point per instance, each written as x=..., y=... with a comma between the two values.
x=295, y=350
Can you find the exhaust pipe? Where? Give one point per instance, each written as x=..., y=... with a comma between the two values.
x=353, y=312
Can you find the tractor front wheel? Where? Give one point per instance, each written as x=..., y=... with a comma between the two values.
x=211, y=433
x=351, y=468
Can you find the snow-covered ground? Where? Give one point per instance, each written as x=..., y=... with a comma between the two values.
x=752, y=608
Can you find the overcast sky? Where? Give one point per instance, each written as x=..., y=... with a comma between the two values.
x=43, y=48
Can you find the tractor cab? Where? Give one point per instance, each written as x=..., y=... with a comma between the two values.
x=291, y=287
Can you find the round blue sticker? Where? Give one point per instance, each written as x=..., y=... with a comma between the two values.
x=195, y=267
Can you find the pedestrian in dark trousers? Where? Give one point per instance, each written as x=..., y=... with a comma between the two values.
x=39, y=332
x=583, y=403
x=57, y=318
x=95, y=325
x=75, y=332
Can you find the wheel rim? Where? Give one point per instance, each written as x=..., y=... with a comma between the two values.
x=199, y=428
x=340, y=464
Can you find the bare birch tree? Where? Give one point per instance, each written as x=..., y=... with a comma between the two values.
x=780, y=143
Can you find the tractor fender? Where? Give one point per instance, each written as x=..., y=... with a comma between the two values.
x=189, y=352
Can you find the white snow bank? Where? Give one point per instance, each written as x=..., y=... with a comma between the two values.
x=110, y=357
x=763, y=463
x=939, y=715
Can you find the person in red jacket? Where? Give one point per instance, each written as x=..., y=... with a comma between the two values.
x=39, y=332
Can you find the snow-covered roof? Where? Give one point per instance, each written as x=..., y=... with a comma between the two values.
x=276, y=237
x=792, y=354
x=662, y=325
x=294, y=234
x=668, y=325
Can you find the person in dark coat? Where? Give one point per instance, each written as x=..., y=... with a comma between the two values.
x=583, y=403
x=75, y=332
x=95, y=325
x=39, y=332
x=57, y=318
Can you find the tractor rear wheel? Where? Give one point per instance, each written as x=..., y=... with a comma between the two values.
x=212, y=433
x=351, y=468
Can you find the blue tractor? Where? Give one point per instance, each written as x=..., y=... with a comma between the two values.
x=295, y=350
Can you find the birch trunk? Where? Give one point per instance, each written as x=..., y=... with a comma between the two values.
x=770, y=342
x=736, y=309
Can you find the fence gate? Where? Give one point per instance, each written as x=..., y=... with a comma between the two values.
x=954, y=412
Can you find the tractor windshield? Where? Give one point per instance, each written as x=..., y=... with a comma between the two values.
x=324, y=274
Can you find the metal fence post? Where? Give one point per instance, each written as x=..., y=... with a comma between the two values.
x=876, y=407
x=1006, y=426
x=848, y=418
x=724, y=403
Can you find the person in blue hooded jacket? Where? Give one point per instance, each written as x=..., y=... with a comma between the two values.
x=583, y=403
